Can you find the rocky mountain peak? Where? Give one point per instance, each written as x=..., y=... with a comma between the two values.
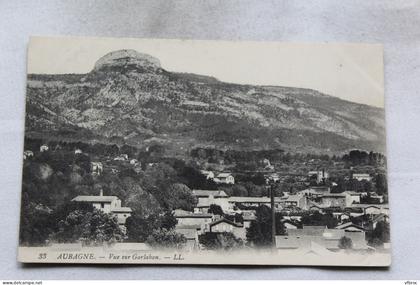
x=127, y=57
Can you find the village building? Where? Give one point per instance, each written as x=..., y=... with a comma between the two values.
x=371, y=209
x=205, y=198
x=329, y=200
x=248, y=217
x=191, y=233
x=322, y=236
x=361, y=176
x=333, y=200
x=43, y=148
x=134, y=162
x=27, y=154
x=379, y=218
x=208, y=174
x=78, y=151
x=350, y=227
x=186, y=218
x=345, y=216
x=108, y=205
x=114, y=171
x=225, y=225
x=313, y=206
x=377, y=198
x=96, y=168
x=241, y=202
x=353, y=196
x=320, y=176
x=121, y=157
x=315, y=191
x=288, y=224
x=272, y=178
x=225, y=178
x=293, y=201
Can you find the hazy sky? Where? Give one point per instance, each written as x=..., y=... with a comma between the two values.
x=352, y=72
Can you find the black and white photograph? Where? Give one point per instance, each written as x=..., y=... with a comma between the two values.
x=163, y=151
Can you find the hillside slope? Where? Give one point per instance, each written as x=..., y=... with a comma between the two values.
x=129, y=98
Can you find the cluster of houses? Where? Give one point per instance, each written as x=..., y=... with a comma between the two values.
x=96, y=167
x=293, y=206
x=343, y=206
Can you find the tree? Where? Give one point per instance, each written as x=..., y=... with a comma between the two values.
x=180, y=197
x=345, y=243
x=94, y=227
x=254, y=190
x=216, y=241
x=380, y=234
x=260, y=230
x=156, y=180
x=381, y=184
x=239, y=190
x=140, y=200
x=156, y=150
x=83, y=161
x=318, y=219
x=139, y=227
x=35, y=224
x=216, y=210
x=164, y=238
x=168, y=221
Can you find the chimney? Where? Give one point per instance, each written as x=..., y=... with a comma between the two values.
x=101, y=192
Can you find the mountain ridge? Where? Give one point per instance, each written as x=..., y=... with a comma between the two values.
x=129, y=98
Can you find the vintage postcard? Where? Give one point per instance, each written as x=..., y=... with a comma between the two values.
x=154, y=151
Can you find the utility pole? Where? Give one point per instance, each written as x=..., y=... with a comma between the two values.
x=273, y=216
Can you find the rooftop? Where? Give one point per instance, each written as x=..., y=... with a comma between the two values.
x=188, y=233
x=238, y=199
x=207, y=193
x=347, y=225
x=223, y=175
x=122, y=210
x=185, y=214
x=223, y=220
x=99, y=199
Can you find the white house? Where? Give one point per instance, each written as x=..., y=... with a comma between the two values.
x=354, y=197
x=315, y=191
x=253, y=201
x=273, y=177
x=208, y=174
x=362, y=176
x=225, y=178
x=225, y=225
x=43, y=148
x=122, y=157
x=327, y=238
x=96, y=168
x=297, y=200
x=108, y=205
x=289, y=224
x=319, y=175
x=27, y=154
x=205, y=198
x=186, y=218
x=78, y=151
x=191, y=234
